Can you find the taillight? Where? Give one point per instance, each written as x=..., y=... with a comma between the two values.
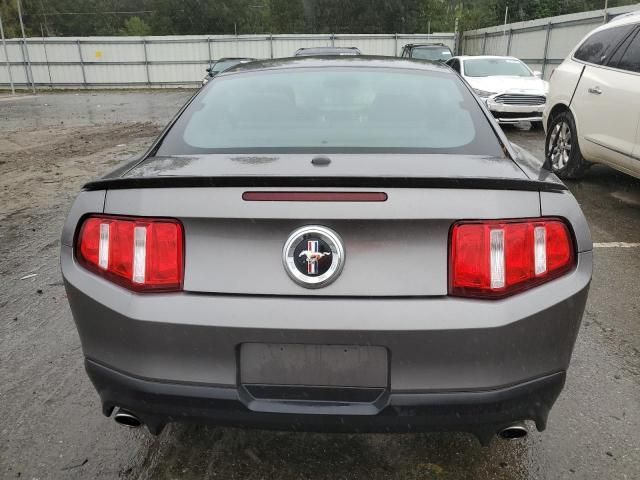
x=496, y=258
x=138, y=253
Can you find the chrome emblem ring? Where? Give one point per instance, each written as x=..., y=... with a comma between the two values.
x=313, y=256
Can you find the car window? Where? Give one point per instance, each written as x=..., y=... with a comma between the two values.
x=431, y=53
x=223, y=65
x=344, y=109
x=630, y=59
x=597, y=48
x=488, y=67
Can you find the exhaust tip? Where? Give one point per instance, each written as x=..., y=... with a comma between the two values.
x=513, y=432
x=127, y=419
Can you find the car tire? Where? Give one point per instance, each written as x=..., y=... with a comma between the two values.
x=562, y=151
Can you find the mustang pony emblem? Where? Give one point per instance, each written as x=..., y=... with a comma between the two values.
x=313, y=255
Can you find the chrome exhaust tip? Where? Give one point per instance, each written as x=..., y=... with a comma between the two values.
x=127, y=419
x=513, y=432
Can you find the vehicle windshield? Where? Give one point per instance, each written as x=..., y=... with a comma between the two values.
x=488, y=67
x=433, y=53
x=343, y=109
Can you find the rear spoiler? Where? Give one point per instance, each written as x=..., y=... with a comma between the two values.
x=323, y=182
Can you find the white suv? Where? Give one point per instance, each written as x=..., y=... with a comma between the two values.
x=593, y=106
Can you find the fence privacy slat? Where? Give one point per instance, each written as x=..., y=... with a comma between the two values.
x=174, y=60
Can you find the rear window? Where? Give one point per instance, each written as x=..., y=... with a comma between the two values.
x=339, y=109
x=630, y=59
x=599, y=46
x=431, y=53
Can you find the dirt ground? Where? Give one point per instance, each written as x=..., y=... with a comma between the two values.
x=50, y=420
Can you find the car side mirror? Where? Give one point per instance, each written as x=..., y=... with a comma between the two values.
x=209, y=69
x=537, y=73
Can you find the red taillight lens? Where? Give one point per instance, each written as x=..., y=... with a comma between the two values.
x=498, y=258
x=137, y=253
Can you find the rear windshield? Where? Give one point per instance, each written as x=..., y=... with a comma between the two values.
x=338, y=109
x=431, y=53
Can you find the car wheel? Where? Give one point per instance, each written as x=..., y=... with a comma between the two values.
x=562, y=151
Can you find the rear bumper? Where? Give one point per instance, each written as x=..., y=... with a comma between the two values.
x=454, y=364
x=482, y=412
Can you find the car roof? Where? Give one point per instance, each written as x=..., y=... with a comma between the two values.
x=356, y=61
x=413, y=45
x=325, y=50
x=224, y=59
x=488, y=57
x=626, y=18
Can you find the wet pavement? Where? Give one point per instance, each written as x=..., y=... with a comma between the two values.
x=50, y=420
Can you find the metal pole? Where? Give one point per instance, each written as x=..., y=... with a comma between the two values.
x=46, y=56
x=146, y=61
x=606, y=14
x=546, y=49
x=509, y=42
x=208, y=48
x=395, y=53
x=506, y=14
x=456, y=42
x=25, y=51
x=271, y=45
x=484, y=43
x=332, y=40
x=84, y=75
x=504, y=28
x=6, y=57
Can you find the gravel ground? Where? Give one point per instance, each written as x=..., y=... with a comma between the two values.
x=50, y=420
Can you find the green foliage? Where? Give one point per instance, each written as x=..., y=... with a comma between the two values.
x=182, y=17
x=135, y=26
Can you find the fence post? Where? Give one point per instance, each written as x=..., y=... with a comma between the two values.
x=546, y=48
x=456, y=42
x=146, y=61
x=46, y=57
x=484, y=43
x=271, y=45
x=509, y=42
x=25, y=51
x=6, y=57
x=84, y=75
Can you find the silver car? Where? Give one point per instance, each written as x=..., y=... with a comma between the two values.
x=329, y=244
x=512, y=91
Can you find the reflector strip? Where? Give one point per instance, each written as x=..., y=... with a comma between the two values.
x=540, y=249
x=497, y=258
x=103, y=246
x=314, y=196
x=312, y=266
x=139, y=254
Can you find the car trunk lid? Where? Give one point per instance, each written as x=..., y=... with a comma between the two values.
x=396, y=247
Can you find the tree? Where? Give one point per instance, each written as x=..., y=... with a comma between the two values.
x=184, y=17
x=135, y=26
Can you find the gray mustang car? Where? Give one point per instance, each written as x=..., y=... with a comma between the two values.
x=337, y=244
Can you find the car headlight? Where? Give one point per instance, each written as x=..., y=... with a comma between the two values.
x=483, y=93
